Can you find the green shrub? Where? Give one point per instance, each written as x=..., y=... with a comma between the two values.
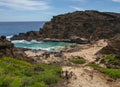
x=78, y=61
x=111, y=59
x=49, y=78
x=94, y=65
x=39, y=84
x=114, y=73
x=17, y=73
x=5, y=81
x=16, y=82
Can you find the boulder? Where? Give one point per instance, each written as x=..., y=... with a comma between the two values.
x=7, y=49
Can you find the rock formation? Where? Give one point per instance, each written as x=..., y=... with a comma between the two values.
x=113, y=46
x=8, y=49
x=89, y=25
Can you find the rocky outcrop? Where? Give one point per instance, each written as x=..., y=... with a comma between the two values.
x=30, y=35
x=113, y=51
x=5, y=47
x=8, y=49
x=113, y=46
x=90, y=25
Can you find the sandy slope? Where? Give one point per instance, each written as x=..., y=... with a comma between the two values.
x=84, y=75
x=88, y=51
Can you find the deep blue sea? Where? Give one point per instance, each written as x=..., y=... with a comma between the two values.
x=11, y=28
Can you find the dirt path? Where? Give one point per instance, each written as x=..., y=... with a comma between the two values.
x=88, y=51
x=86, y=77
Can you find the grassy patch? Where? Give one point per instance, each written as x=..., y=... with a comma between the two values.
x=94, y=65
x=78, y=60
x=114, y=73
x=16, y=73
x=111, y=59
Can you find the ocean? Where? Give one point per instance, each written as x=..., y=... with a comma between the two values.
x=12, y=28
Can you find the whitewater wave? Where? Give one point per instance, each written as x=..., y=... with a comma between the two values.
x=9, y=37
x=51, y=49
x=40, y=48
x=20, y=41
x=38, y=45
x=26, y=42
x=35, y=41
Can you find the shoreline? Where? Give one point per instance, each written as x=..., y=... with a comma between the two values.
x=73, y=60
x=84, y=76
x=55, y=48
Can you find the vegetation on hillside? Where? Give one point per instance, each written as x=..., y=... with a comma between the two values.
x=17, y=73
x=114, y=73
x=111, y=59
x=78, y=60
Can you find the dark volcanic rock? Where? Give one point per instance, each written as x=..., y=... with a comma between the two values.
x=91, y=25
x=8, y=49
x=4, y=43
x=30, y=35
x=113, y=46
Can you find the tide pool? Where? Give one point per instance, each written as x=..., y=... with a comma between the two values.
x=49, y=46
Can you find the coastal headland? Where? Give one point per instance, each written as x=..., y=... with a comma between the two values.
x=93, y=62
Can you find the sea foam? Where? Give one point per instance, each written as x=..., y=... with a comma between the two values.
x=40, y=45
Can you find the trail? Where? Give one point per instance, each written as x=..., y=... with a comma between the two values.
x=84, y=76
x=88, y=51
x=87, y=76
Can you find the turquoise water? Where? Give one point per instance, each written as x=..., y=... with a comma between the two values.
x=11, y=28
x=49, y=46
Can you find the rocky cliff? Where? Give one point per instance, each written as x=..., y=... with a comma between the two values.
x=8, y=49
x=90, y=25
x=113, y=46
x=113, y=52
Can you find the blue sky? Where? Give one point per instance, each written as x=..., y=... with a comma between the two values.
x=43, y=10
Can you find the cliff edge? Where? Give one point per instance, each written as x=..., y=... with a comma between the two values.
x=86, y=25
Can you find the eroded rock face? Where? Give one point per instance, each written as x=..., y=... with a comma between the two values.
x=4, y=43
x=7, y=49
x=90, y=25
x=113, y=46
